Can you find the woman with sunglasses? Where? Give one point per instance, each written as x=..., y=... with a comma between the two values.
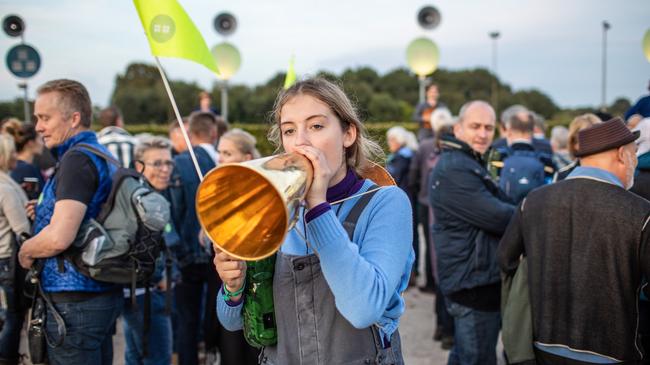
x=153, y=159
x=337, y=295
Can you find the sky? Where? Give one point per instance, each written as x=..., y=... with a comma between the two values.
x=552, y=45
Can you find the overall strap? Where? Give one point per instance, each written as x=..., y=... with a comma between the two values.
x=350, y=222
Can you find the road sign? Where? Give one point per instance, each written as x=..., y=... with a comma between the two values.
x=23, y=61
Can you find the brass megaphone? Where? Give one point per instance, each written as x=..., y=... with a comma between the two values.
x=247, y=208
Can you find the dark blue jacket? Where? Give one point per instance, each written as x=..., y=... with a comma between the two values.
x=70, y=279
x=471, y=214
x=641, y=107
x=183, y=188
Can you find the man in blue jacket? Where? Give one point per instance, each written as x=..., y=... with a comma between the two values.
x=471, y=215
x=194, y=260
x=80, y=185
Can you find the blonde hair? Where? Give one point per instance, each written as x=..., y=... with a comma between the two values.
x=362, y=151
x=7, y=149
x=244, y=141
x=577, y=124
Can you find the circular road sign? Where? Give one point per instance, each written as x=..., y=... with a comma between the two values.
x=23, y=61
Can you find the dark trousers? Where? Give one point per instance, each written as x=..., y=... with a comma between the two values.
x=423, y=219
x=189, y=298
x=444, y=320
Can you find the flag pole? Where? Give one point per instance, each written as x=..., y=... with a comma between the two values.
x=179, y=119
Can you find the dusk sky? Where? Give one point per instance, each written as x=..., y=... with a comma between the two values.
x=551, y=45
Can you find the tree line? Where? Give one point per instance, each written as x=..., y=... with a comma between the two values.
x=391, y=97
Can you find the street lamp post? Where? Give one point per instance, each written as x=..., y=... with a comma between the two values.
x=495, y=92
x=603, y=101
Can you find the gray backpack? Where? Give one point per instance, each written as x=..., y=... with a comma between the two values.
x=122, y=244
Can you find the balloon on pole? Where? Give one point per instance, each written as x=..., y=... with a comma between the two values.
x=422, y=56
x=646, y=45
x=228, y=59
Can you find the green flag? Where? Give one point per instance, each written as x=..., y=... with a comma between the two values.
x=171, y=32
x=290, y=79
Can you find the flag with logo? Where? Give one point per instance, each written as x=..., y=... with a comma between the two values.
x=171, y=32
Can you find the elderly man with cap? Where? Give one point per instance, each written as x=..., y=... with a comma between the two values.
x=587, y=241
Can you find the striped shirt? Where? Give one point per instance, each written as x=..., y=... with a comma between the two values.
x=119, y=142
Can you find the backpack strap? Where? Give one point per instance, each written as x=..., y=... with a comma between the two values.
x=97, y=152
x=350, y=222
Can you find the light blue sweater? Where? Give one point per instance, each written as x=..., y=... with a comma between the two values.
x=367, y=275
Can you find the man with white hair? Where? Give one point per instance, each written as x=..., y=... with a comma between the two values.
x=587, y=242
x=560, y=146
x=642, y=178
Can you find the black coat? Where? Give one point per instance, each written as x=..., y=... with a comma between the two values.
x=588, y=247
x=471, y=214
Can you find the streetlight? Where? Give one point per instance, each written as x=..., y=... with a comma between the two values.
x=495, y=92
x=603, y=103
x=422, y=56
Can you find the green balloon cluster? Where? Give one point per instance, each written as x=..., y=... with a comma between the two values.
x=646, y=45
x=422, y=56
x=228, y=59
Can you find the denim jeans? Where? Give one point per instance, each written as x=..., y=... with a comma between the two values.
x=13, y=315
x=475, y=337
x=159, y=347
x=89, y=325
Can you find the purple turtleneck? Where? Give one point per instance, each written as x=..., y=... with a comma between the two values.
x=350, y=184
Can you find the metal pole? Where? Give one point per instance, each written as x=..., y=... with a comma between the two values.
x=224, y=100
x=495, y=90
x=26, y=103
x=421, y=82
x=603, y=101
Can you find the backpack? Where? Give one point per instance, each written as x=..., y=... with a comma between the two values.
x=122, y=244
x=522, y=172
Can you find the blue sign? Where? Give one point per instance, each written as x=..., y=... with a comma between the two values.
x=23, y=61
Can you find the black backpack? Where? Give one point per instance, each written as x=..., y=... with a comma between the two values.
x=122, y=244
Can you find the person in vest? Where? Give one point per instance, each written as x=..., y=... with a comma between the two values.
x=153, y=159
x=337, y=294
x=74, y=194
x=587, y=241
x=114, y=137
x=471, y=214
x=13, y=223
x=192, y=255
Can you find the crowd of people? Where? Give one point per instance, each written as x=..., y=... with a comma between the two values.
x=544, y=241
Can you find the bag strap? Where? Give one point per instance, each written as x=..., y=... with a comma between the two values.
x=97, y=152
x=60, y=323
x=350, y=222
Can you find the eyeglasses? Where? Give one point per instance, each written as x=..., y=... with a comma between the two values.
x=158, y=164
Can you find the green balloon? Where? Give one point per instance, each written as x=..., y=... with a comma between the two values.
x=422, y=56
x=228, y=59
x=646, y=44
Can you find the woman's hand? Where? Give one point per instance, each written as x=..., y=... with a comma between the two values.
x=232, y=272
x=30, y=209
x=317, y=194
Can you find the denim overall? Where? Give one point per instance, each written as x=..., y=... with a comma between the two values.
x=310, y=328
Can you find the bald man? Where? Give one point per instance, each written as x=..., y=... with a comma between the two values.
x=471, y=214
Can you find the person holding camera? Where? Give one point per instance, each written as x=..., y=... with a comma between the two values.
x=13, y=223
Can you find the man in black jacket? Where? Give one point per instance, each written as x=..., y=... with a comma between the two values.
x=471, y=215
x=587, y=240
